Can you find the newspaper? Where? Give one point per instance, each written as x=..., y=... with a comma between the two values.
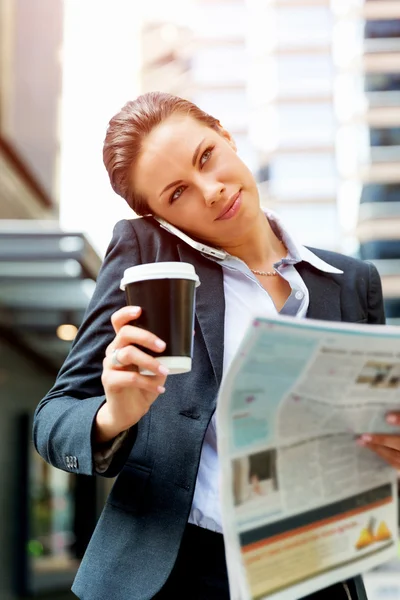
x=304, y=506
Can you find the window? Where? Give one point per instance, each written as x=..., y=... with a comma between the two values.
x=389, y=136
x=228, y=105
x=246, y=151
x=305, y=124
x=385, y=144
x=383, y=99
x=392, y=308
x=379, y=192
x=302, y=176
x=52, y=535
x=312, y=224
x=382, y=82
x=303, y=26
x=220, y=65
x=263, y=173
x=382, y=29
x=380, y=249
x=382, y=89
x=56, y=513
x=220, y=20
x=305, y=75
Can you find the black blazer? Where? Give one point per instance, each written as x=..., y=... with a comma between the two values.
x=136, y=541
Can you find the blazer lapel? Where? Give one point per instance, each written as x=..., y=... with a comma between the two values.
x=210, y=300
x=210, y=304
x=324, y=293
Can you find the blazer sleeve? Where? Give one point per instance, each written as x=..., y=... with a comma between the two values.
x=63, y=420
x=376, y=310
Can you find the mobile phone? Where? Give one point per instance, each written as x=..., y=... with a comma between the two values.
x=215, y=252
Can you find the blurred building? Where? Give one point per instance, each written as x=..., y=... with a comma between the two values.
x=310, y=90
x=293, y=120
x=206, y=63
x=368, y=108
x=220, y=69
x=265, y=69
x=166, y=58
x=29, y=98
x=46, y=280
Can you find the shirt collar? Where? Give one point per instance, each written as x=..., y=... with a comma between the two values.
x=296, y=252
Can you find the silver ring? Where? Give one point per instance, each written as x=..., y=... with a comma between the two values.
x=114, y=358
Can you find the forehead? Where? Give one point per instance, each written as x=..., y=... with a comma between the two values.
x=175, y=136
x=166, y=153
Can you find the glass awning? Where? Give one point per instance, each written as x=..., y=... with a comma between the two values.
x=47, y=277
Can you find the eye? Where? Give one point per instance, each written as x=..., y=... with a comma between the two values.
x=177, y=193
x=206, y=156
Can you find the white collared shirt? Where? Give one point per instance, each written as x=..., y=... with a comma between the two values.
x=244, y=298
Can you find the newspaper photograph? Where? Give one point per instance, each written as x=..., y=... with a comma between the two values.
x=304, y=506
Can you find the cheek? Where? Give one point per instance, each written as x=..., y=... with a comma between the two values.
x=231, y=168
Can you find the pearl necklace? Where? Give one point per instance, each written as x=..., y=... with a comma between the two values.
x=264, y=273
x=268, y=273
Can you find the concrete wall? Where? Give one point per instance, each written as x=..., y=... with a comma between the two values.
x=33, y=85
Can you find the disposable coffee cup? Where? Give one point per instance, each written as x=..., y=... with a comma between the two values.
x=166, y=293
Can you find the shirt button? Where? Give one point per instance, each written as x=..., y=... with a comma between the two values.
x=299, y=295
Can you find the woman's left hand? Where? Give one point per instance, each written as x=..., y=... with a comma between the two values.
x=386, y=445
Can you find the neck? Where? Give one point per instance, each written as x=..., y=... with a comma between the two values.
x=259, y=247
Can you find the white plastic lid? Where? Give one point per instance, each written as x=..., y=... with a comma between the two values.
x=175, y=364
x=159, y=270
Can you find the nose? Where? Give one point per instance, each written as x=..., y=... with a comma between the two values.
x=213, y=192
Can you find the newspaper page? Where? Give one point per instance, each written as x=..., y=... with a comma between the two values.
x=304, y=506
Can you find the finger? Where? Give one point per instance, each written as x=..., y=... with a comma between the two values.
x=129, y=334
x=389, y=441
x=124, y=315
x=135, y=335
x=111, y=361
x=131, y=355
x=393, y=418
x=118, y=381
x=388, y=454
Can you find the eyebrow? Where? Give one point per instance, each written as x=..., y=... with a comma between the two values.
x=194, y=160
x=196, y=152
x=170, y=185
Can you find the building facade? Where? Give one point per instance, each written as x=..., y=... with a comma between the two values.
x=368, y=109
x=205, y=62
x=293, y=121
x=46, y=279
x=266, y=70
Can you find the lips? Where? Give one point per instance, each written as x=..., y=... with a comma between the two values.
x=228, y=207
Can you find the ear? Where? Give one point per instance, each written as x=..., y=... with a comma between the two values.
x=227, y=136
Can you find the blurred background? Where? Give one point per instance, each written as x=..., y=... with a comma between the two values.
x=310, y=90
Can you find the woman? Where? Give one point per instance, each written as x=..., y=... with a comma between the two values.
x=159, y=535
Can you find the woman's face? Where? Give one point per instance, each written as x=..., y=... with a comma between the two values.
x=192, y=177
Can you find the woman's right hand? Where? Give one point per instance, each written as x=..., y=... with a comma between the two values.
x=129, y=394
